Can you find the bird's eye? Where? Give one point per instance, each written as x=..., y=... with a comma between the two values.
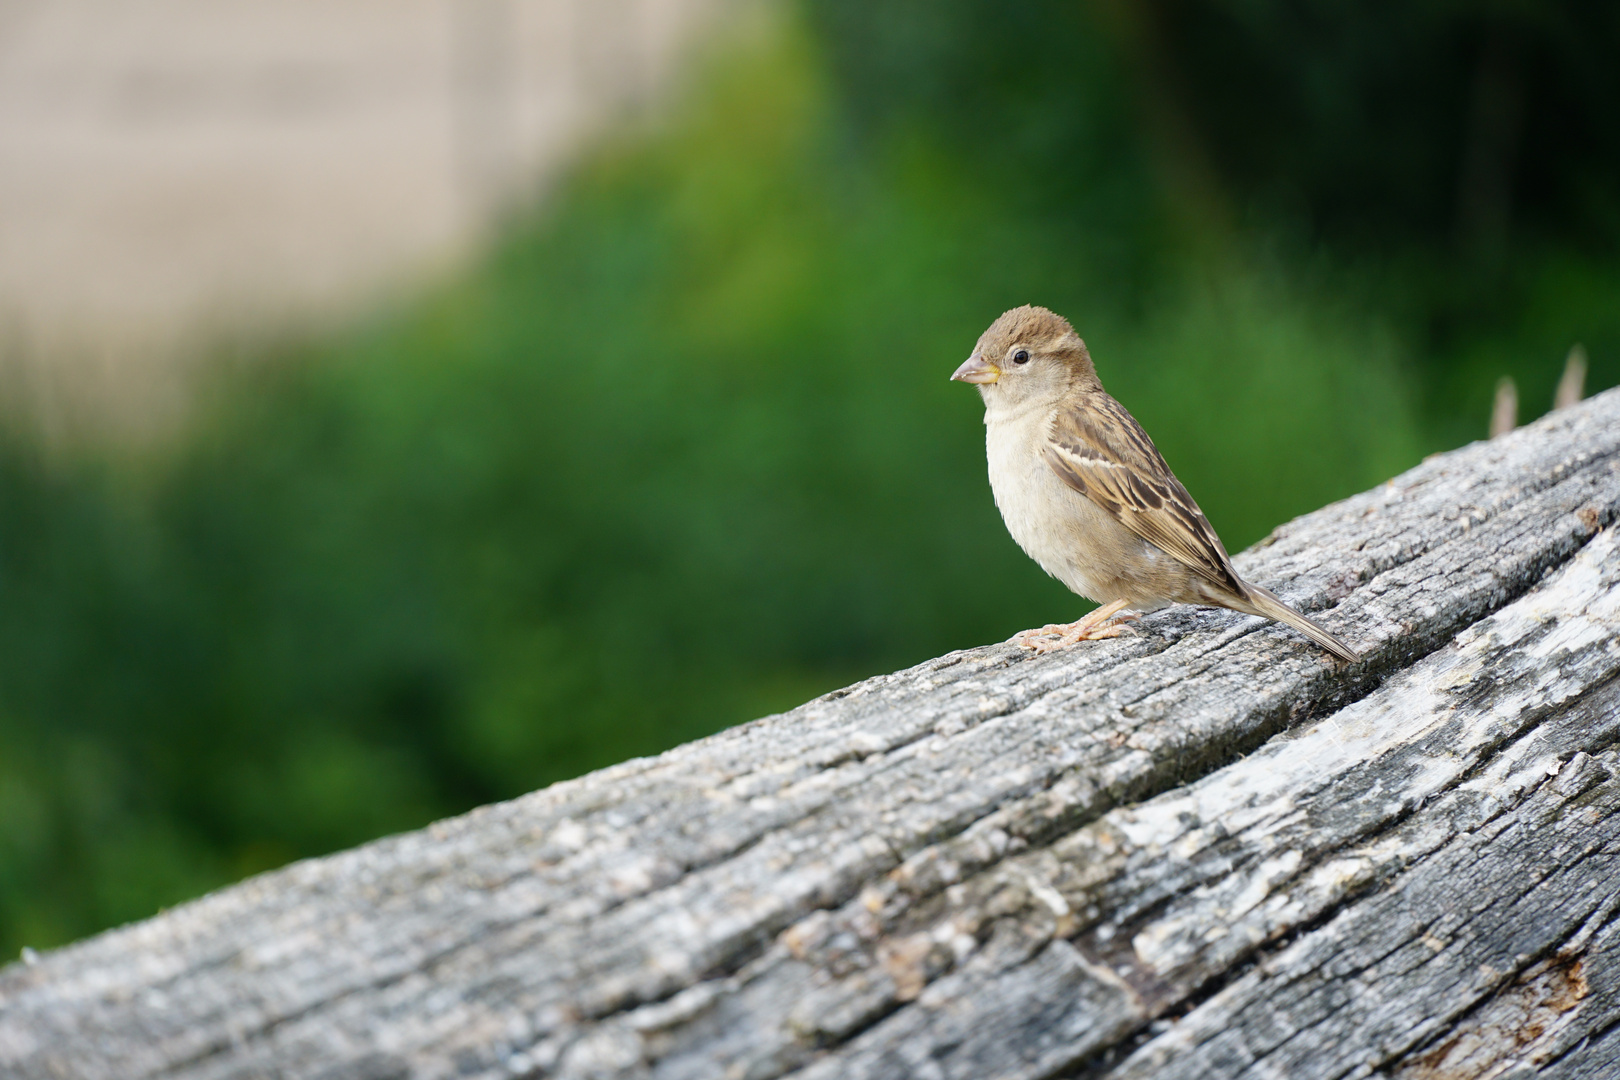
x=1021, y=356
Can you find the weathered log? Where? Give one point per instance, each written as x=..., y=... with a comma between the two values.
x=1200, y=850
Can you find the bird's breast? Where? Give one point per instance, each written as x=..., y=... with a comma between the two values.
x=1072, y=538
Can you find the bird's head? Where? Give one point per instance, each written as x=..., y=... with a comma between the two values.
x=1029, y=354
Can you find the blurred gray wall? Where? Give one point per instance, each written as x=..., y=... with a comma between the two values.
x=176, y=171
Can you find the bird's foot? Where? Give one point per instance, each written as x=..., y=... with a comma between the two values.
x=1105, y=622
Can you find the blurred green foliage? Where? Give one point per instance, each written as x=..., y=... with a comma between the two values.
x=681, y=449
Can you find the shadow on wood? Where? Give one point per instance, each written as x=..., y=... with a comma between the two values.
x=1199, y=850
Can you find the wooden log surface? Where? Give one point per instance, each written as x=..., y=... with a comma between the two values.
x=1198, y=850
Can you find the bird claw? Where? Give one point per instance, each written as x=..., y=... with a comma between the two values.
x=1044, y=646
x=1105, y=622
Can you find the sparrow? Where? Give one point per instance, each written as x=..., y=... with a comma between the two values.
x=1087, y=495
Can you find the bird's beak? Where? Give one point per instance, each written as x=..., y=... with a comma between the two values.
x=977, y=370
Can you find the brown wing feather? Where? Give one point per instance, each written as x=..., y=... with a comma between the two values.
x=1103, y=453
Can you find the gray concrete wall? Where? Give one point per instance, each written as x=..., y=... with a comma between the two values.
x=173, y=171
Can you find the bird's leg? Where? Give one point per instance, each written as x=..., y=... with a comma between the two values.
x=1101, y=623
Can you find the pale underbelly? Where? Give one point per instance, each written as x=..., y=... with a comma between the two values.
x=1077, y=542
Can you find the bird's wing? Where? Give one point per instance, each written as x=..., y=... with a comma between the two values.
x=1101, y=451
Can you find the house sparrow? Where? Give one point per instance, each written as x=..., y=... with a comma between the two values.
x=1089, y=497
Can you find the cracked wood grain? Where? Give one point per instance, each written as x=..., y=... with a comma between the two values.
x=1198, y=850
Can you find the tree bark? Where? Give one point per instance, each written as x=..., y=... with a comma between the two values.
x=1199, y=850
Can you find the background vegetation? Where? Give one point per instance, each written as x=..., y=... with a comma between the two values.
x=681, y=449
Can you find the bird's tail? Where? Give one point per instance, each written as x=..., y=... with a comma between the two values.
x=1263, y=602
